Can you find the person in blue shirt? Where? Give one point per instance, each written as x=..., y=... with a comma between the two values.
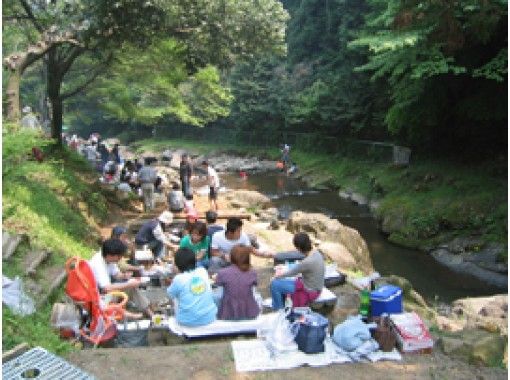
x=191, y=291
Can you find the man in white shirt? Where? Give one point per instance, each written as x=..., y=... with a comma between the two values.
x=214, y=184
x=104, y=266
x=223, y=242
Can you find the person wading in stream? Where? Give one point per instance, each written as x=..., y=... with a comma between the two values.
x=213, y=181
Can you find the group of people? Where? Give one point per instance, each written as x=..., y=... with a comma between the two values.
x=213, y=278
x=205, y=254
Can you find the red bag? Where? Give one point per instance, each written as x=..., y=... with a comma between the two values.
x=302, y=297
x=38, y=154
x=81, y=287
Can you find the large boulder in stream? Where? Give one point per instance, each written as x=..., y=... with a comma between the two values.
x=487, y=313
x=331, y=230
x=247, y=199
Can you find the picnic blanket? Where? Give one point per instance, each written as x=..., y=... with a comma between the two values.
x=255, y=355
x=220, y=327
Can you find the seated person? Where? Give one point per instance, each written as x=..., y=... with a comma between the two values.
x=191, y=291
x=303, y=290
x=120, y=232
x=175, y=198
x=223, y=242
x=198, y=242
x=212, y=227
x=104, y=264
x=152, y=234
x=238, y=280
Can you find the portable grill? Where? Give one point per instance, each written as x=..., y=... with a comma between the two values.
x=40, y=364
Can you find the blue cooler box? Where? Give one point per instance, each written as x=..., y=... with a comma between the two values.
x=386, y=299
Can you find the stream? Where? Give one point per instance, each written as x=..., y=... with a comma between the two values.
x=433, y=281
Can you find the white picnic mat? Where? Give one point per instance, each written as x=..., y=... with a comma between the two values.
x=254, y=355
x=325, y=296
x=219, y=327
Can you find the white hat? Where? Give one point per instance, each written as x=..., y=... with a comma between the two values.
x=166, y=217
x=26, y=109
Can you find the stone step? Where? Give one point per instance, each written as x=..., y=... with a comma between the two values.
x=10, y=243
x=15, y=352
x=45, y=281
x=33, y=259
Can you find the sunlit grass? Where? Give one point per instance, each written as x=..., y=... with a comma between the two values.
x=57, y=205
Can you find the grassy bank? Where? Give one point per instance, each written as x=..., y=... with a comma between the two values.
x=57, y=204
x=427, y=203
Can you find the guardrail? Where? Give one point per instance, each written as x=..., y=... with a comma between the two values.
x=310, y=142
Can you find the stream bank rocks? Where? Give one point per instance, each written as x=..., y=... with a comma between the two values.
x=340, y=243
x=225, y=163
x=475, y=330
x=472, y=256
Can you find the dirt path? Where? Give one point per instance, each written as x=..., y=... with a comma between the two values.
x=203, y=361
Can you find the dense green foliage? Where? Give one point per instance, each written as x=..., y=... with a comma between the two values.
x=428, y=75
x=445, y=64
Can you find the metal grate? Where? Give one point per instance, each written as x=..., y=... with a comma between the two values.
x=40, y=364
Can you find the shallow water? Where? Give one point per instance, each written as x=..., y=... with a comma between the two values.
x=431, y=280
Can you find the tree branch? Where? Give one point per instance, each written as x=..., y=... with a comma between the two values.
x=20, y=61
x=97, y=72
x=68, y=61
x=31, y=16
x=15, y=17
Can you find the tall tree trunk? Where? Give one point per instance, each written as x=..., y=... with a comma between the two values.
x=12, y=92
x=54, y=83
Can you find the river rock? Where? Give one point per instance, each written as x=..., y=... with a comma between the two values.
x=344, y=194
x=487, y=313
x=392, y=222
x=339, y=254
x=359, y=199
x=267, y=215
x=458, y=264
x=225, y=163
x=449, y=324
x=463, y=244
x=171, y=174
x=373, y=205
x=328, y=229
x=474, y=346
x=247, y=199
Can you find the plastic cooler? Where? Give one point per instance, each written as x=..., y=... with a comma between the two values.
x=386, y=299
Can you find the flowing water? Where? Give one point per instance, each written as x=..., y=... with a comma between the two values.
x=432, y=280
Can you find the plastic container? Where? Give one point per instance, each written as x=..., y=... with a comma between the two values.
x=386, y=299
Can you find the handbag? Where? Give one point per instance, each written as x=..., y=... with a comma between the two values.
x=312, y=329
x=384, y=334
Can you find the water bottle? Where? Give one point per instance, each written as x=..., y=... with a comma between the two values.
x=288, y=302
x=364, y=304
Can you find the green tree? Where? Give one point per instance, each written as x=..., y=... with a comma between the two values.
x=146, y=86
x=212, y=31
x=445, y=64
